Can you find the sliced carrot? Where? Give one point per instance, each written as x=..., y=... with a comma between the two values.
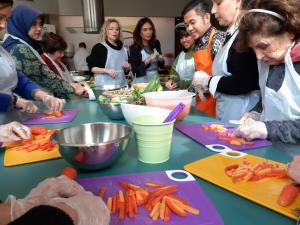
x=69, y=172
x=109, y=205
x=162, y=209
x=175, y=208
x=153, y=184
x=184, y=206
x=36, y=130
x=57, y=114
x=167, y=216
x=102, y=192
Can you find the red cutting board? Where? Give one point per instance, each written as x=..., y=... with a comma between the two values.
x=198, y=134
x=188, y=189
x=264, y=192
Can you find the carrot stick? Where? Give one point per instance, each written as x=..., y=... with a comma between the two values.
x=109, y=204
x=175, y=208
x=162, y=209
x=167, y=216
x=153, y=184
x=102, y=192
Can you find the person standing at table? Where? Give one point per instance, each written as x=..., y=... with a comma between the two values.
x=145, y=52
x=183, y=68
x=208, y=41
x=80, y=58
x=22, y=42
x=272, y=30
x=14, y=81
x=109, y=59
x=234, y=80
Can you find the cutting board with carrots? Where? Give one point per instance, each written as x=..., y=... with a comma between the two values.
x=210, y=133
x=67, y=115
x=263, y=191
x=187, y=188
x=38, y=148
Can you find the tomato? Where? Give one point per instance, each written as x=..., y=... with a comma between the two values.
x=69, y=172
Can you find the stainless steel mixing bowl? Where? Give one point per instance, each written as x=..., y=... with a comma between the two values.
x=93, y=146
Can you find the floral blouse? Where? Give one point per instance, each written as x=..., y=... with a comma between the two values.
x=29, y=64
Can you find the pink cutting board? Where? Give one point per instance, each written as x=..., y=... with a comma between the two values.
x=198, y=134
x=39, y=118
x=188, y=189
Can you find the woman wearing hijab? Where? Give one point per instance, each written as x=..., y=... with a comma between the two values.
x=183, y=68
x=14, y=81
x=145, y=52
x=24, y=29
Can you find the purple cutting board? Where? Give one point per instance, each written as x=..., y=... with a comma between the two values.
x=68, y=116
x=198, y=134
x=189, y=190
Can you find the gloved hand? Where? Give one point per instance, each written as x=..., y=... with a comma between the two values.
x=251, y=129
x=294, y=169
x=53, y=104
x=200, y=80
x=90, y=209
x=43, y=193
x=253, y=115
x=26, y=105
x=14, y=131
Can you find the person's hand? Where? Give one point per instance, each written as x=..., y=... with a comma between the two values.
x=201, y=93
x=14, y=131
x=200, y=80
x=170, y=84
x=111, y=72
x=80, y=89
x=90, y=209
x=43, y=193
x=250, y=115
x=251, y=129
x=126, y=66
x=150, y=58
x=26, y=106
x=53, y=104
x=293, y=169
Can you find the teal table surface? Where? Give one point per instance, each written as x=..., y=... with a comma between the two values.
x=233, y=209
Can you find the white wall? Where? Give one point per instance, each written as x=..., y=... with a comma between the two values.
x=164, y=28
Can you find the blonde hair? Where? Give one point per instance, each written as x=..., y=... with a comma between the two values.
x=103, y=32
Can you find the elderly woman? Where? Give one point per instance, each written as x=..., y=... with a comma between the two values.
x=272, y=30
x=183, y=68
x=24, y=28
x=109, y=59
x=235, y=76
x=145, y=52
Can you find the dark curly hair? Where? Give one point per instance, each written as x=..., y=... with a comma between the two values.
x=137, y=39
x=253, y=23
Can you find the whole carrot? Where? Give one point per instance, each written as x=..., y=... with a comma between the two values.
x=288, y=194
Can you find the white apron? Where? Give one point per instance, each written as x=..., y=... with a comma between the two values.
x=230, y=107
x=152, y=70
x=114, y=60
x=8, y=72
x=66, y=75
x=283, y=104
x=185, y=67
